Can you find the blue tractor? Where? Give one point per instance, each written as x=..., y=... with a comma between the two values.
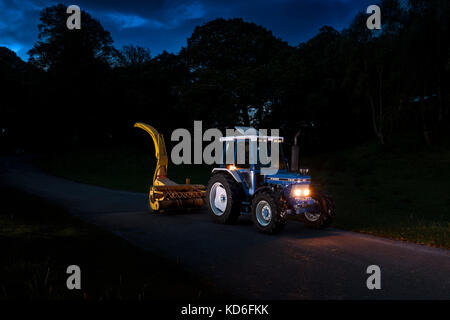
x=236, y=189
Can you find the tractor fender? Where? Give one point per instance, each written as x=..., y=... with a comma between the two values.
x=232, y=173
x=261, y=189
x=271, y=189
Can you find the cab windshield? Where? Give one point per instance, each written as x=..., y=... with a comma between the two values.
x=263, y=158
x=281, y=165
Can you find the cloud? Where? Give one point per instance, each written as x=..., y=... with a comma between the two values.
x=126, y=21
x=190, y=11
x=168, y=16
x=18, y=25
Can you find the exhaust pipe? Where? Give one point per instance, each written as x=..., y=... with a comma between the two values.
x=295, y=154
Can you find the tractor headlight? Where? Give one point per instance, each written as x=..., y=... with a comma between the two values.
x=299, y=192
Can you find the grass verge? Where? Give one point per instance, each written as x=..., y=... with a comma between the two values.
x=38, y=241
x=122, y=168
x=391, y=192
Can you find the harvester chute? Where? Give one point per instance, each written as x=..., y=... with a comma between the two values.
x=165, y=193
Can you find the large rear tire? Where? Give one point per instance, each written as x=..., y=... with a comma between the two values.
x=325, y=217
x=223, y=198
x=268, y=212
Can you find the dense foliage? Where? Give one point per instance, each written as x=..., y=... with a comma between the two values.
x=339, y=87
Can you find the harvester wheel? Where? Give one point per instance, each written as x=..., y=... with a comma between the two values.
x=325, y=217
x=153, y=206
x=268, y=212
x=223, y=198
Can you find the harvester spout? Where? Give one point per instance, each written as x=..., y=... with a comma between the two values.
x=162, y=160
x=164, y=193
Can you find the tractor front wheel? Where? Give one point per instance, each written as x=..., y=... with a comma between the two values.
x=323, y=218
x=268, y=213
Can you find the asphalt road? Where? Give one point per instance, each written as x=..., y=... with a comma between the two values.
x=297, y=264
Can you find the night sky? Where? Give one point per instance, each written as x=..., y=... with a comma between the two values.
x=164, y=25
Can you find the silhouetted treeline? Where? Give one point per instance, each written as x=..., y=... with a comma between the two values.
x=340, y=88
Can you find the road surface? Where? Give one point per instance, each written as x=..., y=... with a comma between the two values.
x=297, y=264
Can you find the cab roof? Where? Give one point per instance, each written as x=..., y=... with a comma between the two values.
x=253, y=138
x=244, y=135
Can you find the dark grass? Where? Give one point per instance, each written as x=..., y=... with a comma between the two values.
x=38, y=241
x=122, y=168
x=398, y=192
x=393, y=191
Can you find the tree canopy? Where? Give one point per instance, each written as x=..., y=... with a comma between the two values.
x=344, y=86
x=59, y=47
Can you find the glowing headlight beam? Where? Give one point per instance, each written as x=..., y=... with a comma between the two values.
x=298, y=192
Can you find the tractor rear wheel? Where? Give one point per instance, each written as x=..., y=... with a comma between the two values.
x=223, y=198
x=322, y=219
x=268, y=212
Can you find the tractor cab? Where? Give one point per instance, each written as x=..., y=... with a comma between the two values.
x=251, y=167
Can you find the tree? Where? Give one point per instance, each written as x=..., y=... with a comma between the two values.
x=229, y=63
x=133, y=55
x=59, y=47
x=426, y=43
x=14, y=74
x=77, y=63
x=374, y=75
x=309, y=89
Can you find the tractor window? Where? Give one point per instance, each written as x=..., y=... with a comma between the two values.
x=231, y=152
x=281, y=159
x=243, y=151
x=233, y=149
x=228, y=154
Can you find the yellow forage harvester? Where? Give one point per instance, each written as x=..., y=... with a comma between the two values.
x=164, y=193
